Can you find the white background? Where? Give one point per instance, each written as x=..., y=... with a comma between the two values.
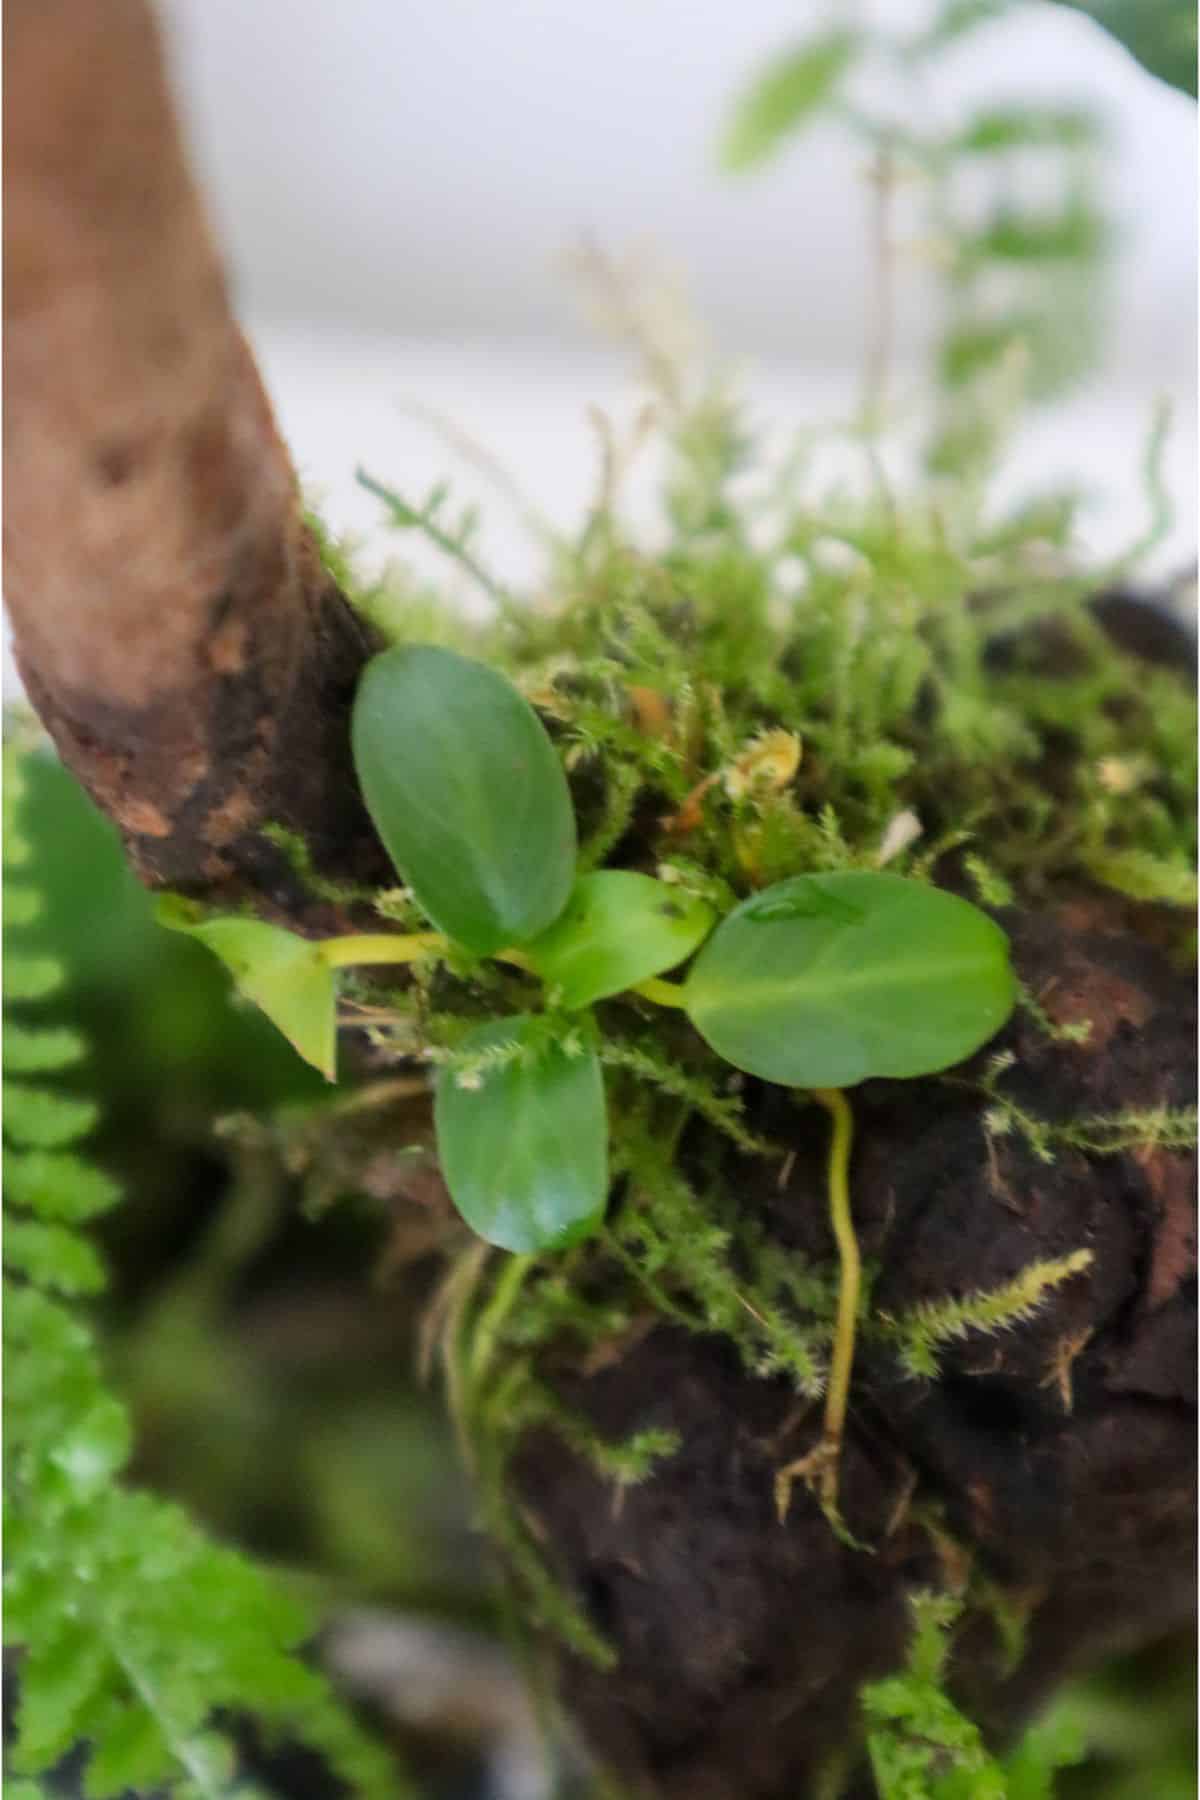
x=396, y=183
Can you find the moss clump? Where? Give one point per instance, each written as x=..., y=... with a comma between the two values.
x=789, y=685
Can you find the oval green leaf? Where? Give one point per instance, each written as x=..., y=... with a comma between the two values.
x=825, y=980
x=523, y=1145
x=282, y=973
x=783, y=99
x=617, y=928
x=467, y=794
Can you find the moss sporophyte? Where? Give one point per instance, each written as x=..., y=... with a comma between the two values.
x=815, y=982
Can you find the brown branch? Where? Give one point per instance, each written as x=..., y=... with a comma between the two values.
x=174, y=626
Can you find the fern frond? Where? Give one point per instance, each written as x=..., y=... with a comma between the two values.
x=59, y=1185
x=39, y=1050
x=923, y=1748
x=915, y=1733
x=31, y=977
x=42, y=1119
x=52, y=1256
x=135, y=1628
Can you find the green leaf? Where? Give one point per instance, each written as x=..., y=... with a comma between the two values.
x=618, y=928
x=826, y=980
x=284, y=974
x=96, y=1448
x=785, y=96
x=1161, y=34
x=1000, y=128
x=31, y=977
x=52, y=1256
x=467, y=793
x=36, y=1115
x=21, y=905
x=58, y=1677
x=33, y=1049
x=134, y=1756
x=524, y=1145
x=58, y=1185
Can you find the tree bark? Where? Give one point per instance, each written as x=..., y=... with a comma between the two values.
x=174, y=626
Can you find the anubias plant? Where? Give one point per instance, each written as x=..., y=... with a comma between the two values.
x=819, y=981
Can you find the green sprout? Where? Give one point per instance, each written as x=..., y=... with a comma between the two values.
x=816, y=982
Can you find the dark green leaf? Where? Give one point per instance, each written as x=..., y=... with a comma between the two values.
x=825, y=980
x=618, y=928
x=785, y=96
x=467, y=794
x=1161, y=34
x=524, y=1143
x=284, y=974
x=58, y=1678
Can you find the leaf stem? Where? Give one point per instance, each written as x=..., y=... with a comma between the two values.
x=381, y=947
x=662, y=993
x=491, y=1320
x=837, y=1393
x=820, y=1466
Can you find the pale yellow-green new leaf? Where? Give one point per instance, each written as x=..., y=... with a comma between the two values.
x=284, y=974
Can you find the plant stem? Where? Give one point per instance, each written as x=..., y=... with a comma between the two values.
x=491, y=1320
x=381, y=947
x=662, y=993
x=517, y=958
x=838, y=1391
x=820, y=1466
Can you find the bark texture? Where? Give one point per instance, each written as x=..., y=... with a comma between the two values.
x=173, y=624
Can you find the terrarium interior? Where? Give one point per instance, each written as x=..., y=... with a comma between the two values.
x=961, y=1196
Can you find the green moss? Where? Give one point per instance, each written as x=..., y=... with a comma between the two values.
x=918, y=1335
x=950, y=698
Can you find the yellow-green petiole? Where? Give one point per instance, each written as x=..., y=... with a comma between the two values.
x=820, y=1467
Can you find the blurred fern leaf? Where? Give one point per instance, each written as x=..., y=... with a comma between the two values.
x=134, y=1627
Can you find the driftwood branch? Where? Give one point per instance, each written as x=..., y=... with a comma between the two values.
x=173, y=624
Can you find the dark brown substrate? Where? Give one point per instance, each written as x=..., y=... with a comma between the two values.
x=1055, y=1460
